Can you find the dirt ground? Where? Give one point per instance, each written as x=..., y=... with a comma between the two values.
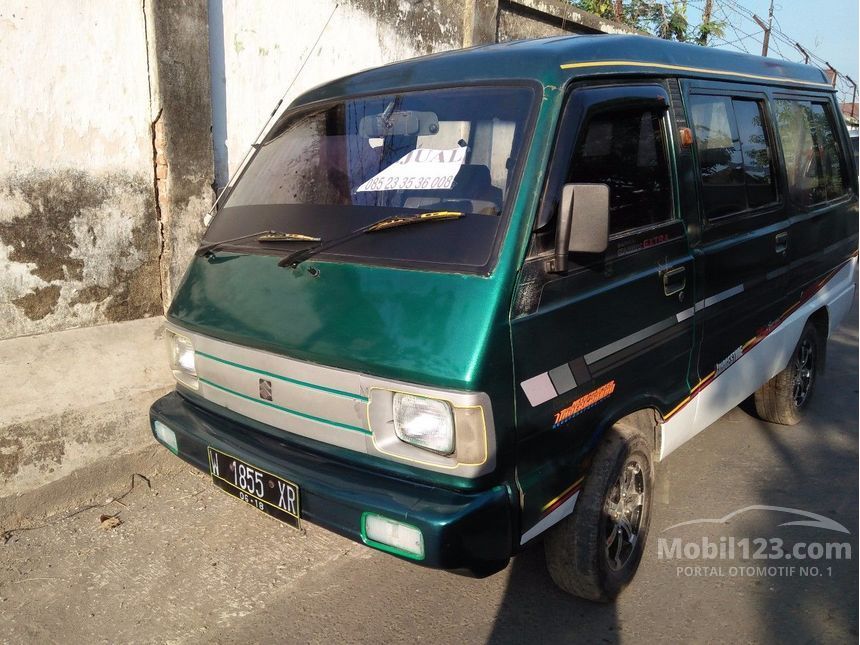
x=185, y=563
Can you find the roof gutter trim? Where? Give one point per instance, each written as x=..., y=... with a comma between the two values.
x=684, y=68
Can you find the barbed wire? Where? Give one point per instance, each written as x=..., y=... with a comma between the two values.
x=780, y=42
x=777, y=36
x=735, y=29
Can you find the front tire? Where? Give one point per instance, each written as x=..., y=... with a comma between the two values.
x=595, y=552
x=784, y=398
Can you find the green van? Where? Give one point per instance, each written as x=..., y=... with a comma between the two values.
x=462, y=304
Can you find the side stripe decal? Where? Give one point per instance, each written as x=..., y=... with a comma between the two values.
x=541, y=388
x=723, y=295
x=627, y=341
x=755, y=340
x=561, y=511
x=547, y=385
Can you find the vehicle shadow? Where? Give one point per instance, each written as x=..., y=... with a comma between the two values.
x=819, y=601
x=534, y=610
x=740, y=462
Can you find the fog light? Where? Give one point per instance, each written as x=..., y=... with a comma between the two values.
x=392, y=536
x=166, y=436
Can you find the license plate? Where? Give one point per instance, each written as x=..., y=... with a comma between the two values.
x=262, y=490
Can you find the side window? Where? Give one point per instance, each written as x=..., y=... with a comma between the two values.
x=734, y=154
x=758, y=165
x=626, y=150
x=813, y=161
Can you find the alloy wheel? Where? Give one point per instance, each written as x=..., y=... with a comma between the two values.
x=624, y=510
x=804, y=372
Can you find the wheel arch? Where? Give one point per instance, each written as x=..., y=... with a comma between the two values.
x=820, y=319
x=643, y=416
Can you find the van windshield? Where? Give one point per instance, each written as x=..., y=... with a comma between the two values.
x=327, y=172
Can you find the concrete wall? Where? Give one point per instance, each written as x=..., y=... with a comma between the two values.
x=78, y=244
x=73, y=398
x=107, y=166
x=178, y=45
x=259, y=46
x=519, y=19
x=107, y=154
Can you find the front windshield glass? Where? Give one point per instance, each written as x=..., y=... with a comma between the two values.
x=328, y=172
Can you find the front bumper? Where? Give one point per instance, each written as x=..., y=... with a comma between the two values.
x=463, y=531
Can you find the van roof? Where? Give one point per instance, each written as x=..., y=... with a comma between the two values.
x=555, y=60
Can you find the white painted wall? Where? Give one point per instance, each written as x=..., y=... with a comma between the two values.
x=266, y=41
x=75, y=85
x=77, y=226
x=80, y=239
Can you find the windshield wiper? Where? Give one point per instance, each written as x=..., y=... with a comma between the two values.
x=294, y=259
x=261, y=236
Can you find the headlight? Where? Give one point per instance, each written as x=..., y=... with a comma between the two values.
x=432, y=428
x=182, y=359
x=423, y=422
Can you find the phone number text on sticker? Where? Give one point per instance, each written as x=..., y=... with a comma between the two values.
x=419, y=169
x=408, y=183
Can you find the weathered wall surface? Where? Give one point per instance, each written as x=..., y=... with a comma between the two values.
x=177, y=38
x=258, y=47
x=520, y=19
x=108, y=117
x=108, y=128
x=78, y=243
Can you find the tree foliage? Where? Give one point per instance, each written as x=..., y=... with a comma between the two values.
x=664, y=19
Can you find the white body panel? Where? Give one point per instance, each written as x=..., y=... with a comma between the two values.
x=764, y=361
x=553, y=518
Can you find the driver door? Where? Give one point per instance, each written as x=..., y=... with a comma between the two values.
x=615, y=332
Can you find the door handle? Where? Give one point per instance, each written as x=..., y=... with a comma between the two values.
x=674, y=280
x=781, y=240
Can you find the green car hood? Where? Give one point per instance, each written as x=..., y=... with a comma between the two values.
x=436, y=329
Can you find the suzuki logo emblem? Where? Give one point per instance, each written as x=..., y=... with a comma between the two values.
x=265, y=389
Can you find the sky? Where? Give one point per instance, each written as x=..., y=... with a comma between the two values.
x=827, y=28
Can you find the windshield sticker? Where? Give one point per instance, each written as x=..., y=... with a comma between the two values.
x=420, y=169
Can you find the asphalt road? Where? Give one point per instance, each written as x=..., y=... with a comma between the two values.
x=189, y=564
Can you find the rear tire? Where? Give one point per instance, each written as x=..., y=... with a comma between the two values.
x=784, y=398
x=594, y=553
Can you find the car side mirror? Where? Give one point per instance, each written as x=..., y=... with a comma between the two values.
x=583, y=222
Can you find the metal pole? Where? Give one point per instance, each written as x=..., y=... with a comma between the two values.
x=803, y=51
x=769, y=27
x=853, y=96
x=766, y=27
x=835, y=73
x=706, y=21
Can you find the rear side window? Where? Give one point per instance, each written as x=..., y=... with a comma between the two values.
x=734, y=153
x=813, y=162
x=625, y=149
